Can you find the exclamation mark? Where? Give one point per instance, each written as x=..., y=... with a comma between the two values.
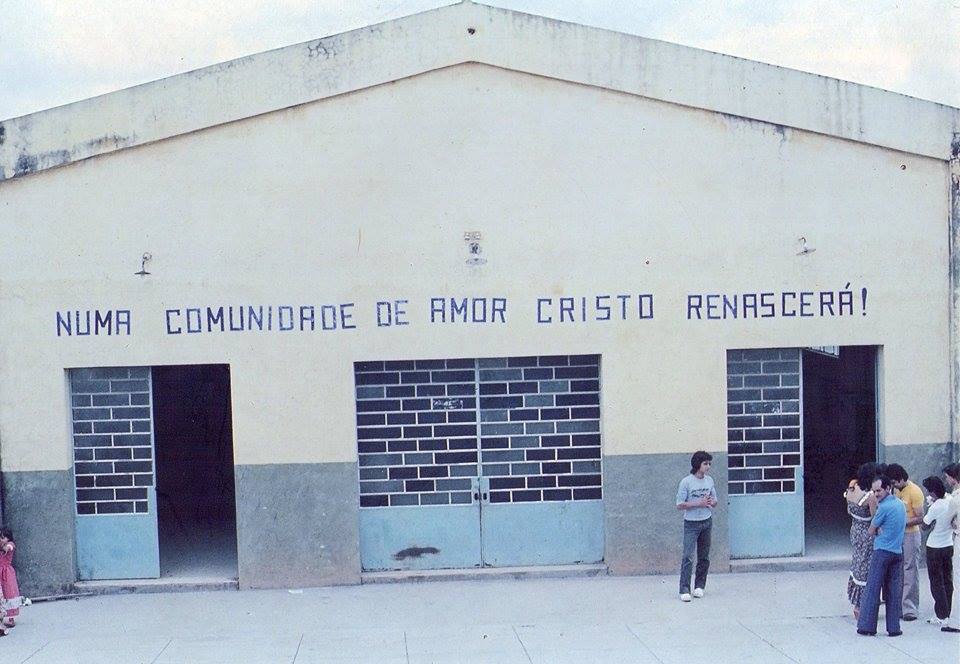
x=863, y=301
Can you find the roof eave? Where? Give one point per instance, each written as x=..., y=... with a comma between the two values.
x=461, y=33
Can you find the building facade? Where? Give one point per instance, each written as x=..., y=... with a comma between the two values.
x=465, y=289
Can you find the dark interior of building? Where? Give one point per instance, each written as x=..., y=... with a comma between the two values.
x=195, y=484
x=839, y=433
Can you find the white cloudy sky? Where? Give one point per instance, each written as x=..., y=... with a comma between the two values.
x=57, y=51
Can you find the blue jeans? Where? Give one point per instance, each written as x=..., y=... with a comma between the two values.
x=695, y=534
x=886, y=571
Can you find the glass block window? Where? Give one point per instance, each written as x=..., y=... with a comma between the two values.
x=764, y=440
x=426, y=429
x=112, y=439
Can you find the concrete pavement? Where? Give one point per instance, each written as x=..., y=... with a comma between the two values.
x=764, y=618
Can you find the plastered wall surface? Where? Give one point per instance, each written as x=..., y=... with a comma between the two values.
x=577, y=191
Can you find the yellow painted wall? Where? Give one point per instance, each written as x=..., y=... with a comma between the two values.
x=577, y=191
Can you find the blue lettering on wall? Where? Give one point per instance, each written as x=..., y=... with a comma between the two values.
x=93, y=322
x=248, y=318
x=645, y=306
x=235, y=326
x=384, y=314
x=468, y=310
x=603, y=309
x=214, y=317
x=346, y=314
x=585, y=309
x=256, y=316
x=783, y=304
x=541, y=317
x=400, y=312
x=123, y=321
x=194, y=325
x=713, y=306
x=308, y=317
x=173, y=323
x=285, y=318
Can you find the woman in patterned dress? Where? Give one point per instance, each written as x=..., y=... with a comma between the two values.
x=861, y=506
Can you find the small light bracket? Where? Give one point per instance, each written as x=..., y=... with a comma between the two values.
x=146, y=258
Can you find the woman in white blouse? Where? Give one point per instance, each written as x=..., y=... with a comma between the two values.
x=939, y=548
x=951, y=474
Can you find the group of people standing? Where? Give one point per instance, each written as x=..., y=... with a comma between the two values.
x=888, y=513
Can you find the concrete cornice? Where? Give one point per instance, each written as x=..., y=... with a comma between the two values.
x=462, y=33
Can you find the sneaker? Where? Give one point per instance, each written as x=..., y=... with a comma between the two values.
x=698, y=592
x=948, y=628
x=685, y=597
x=934, y=621
x=908, y=618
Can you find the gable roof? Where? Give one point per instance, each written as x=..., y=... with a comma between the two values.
x=469, y=32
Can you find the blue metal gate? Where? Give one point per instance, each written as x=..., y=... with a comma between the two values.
x=116, y=507
x=489, y=462
x=765, y=452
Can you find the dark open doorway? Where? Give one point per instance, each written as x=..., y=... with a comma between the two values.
x=839, y=433
x=194, y=458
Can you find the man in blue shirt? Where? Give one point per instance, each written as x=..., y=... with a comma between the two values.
x=886, y=563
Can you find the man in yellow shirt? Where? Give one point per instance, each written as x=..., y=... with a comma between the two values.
x=912, y=498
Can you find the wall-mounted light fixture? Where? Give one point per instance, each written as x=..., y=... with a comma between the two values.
x=804, y=249
x=143, y=264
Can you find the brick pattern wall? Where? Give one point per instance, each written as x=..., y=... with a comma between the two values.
x=763, y=420
x=539, y=433
x=416, y=431
x=540, y=427
x=112, y=439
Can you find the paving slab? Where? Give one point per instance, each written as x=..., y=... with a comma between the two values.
x=759, y=617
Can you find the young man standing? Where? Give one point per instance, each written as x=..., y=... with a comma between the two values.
x=886, y=563
x=912, y=498
x=696, y=498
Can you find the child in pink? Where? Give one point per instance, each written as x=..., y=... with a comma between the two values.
x=11, y=601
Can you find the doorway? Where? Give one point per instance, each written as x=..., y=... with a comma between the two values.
x=196, y=504
x=799, y=423
x=840, y=433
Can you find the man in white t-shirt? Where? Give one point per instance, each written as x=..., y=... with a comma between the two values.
x=951, y=476
x=696, y=498
x=939, y=548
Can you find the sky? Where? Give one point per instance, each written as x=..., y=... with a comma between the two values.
x=53, y=52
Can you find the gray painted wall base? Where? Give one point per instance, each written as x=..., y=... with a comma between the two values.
x=40, y=509
x=644, y=529
x=297, y=525
x=919, y=460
